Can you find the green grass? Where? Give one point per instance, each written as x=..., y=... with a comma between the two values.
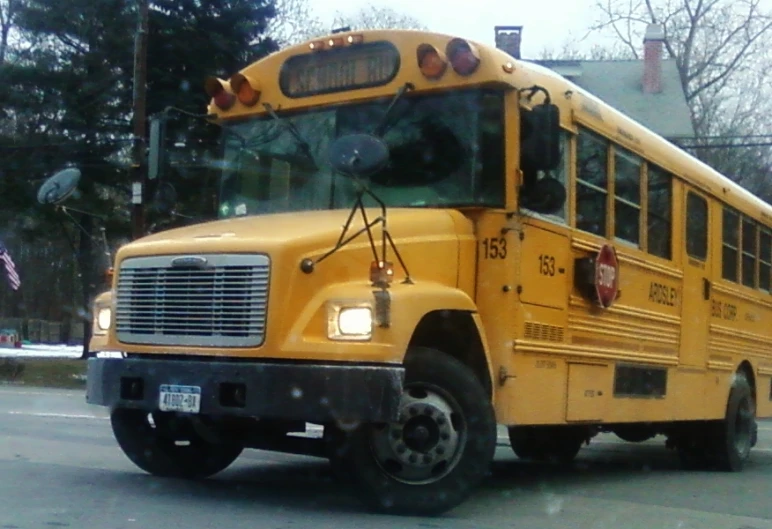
x=43, y=372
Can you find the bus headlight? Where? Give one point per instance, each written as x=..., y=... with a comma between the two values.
x=349, y=322
x=103, y=319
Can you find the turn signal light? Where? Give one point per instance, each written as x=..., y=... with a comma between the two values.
x=463, y=56
x=245, y=88
x=431, y=61
x=381, y=273
x=216, y=89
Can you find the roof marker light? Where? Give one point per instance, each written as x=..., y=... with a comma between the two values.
x=246, y=89
x=431, y=61
x=463, y=56
x=218, y=90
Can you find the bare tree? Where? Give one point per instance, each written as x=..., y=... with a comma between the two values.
x=295, y=22
x=721, y=51
x=717, y=44
x=374, y=17
x=570, y=50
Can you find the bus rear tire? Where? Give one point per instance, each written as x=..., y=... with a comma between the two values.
x=440, y=449
x=724, y=444
x=735, y=435
x=557, y=444
x=169, y=446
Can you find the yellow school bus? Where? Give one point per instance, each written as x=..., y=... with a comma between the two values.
x=422, y=238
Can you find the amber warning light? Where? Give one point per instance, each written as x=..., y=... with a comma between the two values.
x=381, y=273
x=431, y=61
x=222, y=96
x=245, y=88
x=463, y=56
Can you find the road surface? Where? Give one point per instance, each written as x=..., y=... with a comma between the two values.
x=60, y=467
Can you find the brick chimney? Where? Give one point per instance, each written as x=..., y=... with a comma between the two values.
x=652, y=59
x=508, y=39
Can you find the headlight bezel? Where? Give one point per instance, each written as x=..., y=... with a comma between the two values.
x=358, y=314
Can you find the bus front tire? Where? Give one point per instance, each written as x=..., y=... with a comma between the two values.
x=169, y=446
x=437, y=452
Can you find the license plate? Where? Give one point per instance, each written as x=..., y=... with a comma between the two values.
x=186, y=399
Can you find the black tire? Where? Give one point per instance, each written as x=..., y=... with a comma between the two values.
x=440, y=449
x=524, y=445
x=154, y=447
x=633, y=434
x=556, y=444
x=735, y=435
x=694, y=448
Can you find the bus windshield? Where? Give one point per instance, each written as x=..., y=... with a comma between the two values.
x=445, y=151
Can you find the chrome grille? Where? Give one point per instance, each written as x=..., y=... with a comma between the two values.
x=221, y=303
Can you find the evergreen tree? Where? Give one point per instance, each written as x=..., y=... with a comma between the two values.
x=66, y=99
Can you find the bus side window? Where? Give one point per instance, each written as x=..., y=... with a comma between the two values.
x=750, y=251
x=696, y=226
x=591, y=183
x=659, y=212
x=627, y=196
x=729, y=252
x=765, y=259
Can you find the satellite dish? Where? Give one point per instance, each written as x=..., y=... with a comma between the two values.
x=59, y=187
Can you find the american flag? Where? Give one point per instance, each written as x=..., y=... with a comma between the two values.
x=10, y=268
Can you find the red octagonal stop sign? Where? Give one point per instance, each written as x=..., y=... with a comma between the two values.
x=606, y=276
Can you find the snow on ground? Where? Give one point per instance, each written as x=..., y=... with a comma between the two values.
x=43, y=351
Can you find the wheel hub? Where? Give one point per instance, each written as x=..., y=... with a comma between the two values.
x=426, y=441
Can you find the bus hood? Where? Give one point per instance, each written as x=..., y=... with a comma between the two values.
x=304, y=234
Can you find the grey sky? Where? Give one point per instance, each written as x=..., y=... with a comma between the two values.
x=545, y=24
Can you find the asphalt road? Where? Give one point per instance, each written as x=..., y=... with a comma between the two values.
x=60, y=467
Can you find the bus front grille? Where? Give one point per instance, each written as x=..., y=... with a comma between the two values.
x=197, y=300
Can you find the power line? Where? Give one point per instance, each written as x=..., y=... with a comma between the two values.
x=720, y=136
x=727, y=145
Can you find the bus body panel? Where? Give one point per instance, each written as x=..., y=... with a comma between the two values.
x=662, y=352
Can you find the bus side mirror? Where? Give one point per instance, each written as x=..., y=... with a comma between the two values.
x=540, y=138
x=156, y=155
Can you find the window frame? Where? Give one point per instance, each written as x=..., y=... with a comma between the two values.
x=764, y=230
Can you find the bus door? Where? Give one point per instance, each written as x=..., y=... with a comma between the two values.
x=695, y=301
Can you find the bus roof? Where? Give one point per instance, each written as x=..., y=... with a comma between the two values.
x=603, y=117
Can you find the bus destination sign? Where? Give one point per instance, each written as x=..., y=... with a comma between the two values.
x=338, y=70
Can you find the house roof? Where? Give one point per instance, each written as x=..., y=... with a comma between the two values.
x=619, y=83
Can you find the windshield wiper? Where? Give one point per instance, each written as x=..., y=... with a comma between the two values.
x=382, y=127
x=304, y=146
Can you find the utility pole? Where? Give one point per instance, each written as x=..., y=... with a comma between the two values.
x=139, y=165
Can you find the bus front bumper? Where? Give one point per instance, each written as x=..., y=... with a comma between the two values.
x=293, y=391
